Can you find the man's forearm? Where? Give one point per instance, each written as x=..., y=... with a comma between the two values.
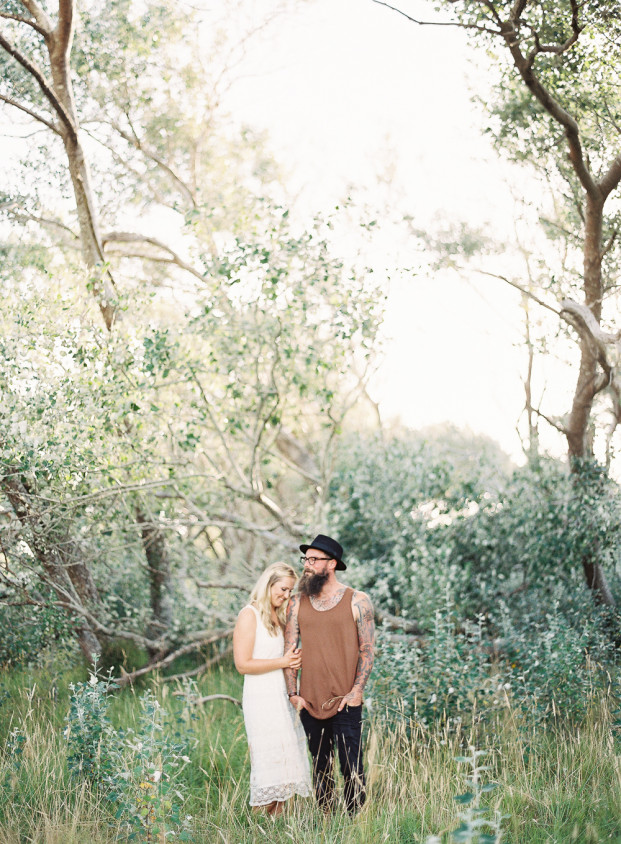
x=291, y=681
x=366, y=639
x=363, y=669
x=292, y=634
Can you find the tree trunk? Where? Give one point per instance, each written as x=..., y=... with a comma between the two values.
x=102, y=285
x=71, y=580
x=579, y=445
x=158, y=564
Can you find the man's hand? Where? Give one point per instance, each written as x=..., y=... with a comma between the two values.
x=298, y=702
x=354, y=698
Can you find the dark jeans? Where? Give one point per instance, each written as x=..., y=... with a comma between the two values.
x=343, y=729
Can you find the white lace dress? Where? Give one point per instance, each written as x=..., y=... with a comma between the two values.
x=278, y=757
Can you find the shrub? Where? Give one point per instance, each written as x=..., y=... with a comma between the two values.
x=136, y=769
x=448, y=680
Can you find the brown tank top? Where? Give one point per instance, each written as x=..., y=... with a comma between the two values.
x=330, y=654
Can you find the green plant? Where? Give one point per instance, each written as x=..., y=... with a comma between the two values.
x=447, y=680
x=145, y=782
x=137, y=769
x=476, y=825
x=89, y=730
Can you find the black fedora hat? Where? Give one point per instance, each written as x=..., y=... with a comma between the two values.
x=330, y=546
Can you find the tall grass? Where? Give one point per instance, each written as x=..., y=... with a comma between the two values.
x=558, y=784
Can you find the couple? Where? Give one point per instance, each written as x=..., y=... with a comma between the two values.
x=335, y=626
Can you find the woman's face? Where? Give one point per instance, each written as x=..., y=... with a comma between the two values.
x=280, y=591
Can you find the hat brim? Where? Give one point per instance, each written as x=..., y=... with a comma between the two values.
x=340, y=565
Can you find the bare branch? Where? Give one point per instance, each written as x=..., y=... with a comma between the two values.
x=201, y=584
x=610, y=243
x=12, y=208
x=135, y=142
x=197, y=672
x=65, y=27
x=518, y=9
x=27, y=21
x=525, y=66
x=126, y=678
x=171, y=256
x=612, y=177
x=436, y=23
x=523, y=290
x=30, y=113
x=199, y=701
x=615, y=390
x=555, y=423
x=44, y=84
x=296, y=456
x=559, y=49
x=393, y=622
x=218, y=431
x=39, y=15
x=584, y=315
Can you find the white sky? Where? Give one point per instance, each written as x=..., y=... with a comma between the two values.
x=347, y=87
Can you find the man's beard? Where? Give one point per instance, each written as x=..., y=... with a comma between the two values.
x=311, y=583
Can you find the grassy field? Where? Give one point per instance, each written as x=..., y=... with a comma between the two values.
x=553, y=784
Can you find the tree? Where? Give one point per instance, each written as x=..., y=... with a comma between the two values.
x=558, y=109
x=155, y=458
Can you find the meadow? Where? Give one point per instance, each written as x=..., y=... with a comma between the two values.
x=145, y=764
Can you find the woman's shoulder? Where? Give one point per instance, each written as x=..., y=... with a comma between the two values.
x=248, y=614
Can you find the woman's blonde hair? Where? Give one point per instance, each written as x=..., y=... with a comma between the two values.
x=260, y=595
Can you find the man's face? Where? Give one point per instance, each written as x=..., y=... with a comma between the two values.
x=316, y=572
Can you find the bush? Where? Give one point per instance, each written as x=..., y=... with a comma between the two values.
x=26, y=637
x=137, y=770
x=446, y=681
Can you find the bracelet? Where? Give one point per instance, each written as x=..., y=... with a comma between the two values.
x=291, y=694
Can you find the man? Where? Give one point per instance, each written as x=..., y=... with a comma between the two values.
x=335, y=624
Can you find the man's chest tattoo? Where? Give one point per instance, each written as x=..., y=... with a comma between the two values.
x=323, y=604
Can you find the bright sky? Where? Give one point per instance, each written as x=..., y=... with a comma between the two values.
x=348, y=89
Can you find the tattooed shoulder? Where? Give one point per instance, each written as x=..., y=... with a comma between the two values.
x=362, y=605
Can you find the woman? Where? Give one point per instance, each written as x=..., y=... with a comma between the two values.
x=278, y=759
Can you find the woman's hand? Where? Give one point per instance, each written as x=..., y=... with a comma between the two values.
x=293, y=658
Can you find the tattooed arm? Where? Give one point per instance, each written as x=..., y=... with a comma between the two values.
x=362, y=610
x=292, y=634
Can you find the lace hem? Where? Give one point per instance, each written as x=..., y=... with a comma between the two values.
x=267, y=795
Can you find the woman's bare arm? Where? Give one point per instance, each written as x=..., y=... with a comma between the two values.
x=243, y=646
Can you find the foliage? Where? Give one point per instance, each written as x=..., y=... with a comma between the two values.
x=167, y=447
x=446, y=681
x=137, y=769
x=89, y=729
x=531, y=539
x=26, y=636
x=487, y=564
x=476, y=826
x=393, y=502
x=200, y=406
x=560, y=658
